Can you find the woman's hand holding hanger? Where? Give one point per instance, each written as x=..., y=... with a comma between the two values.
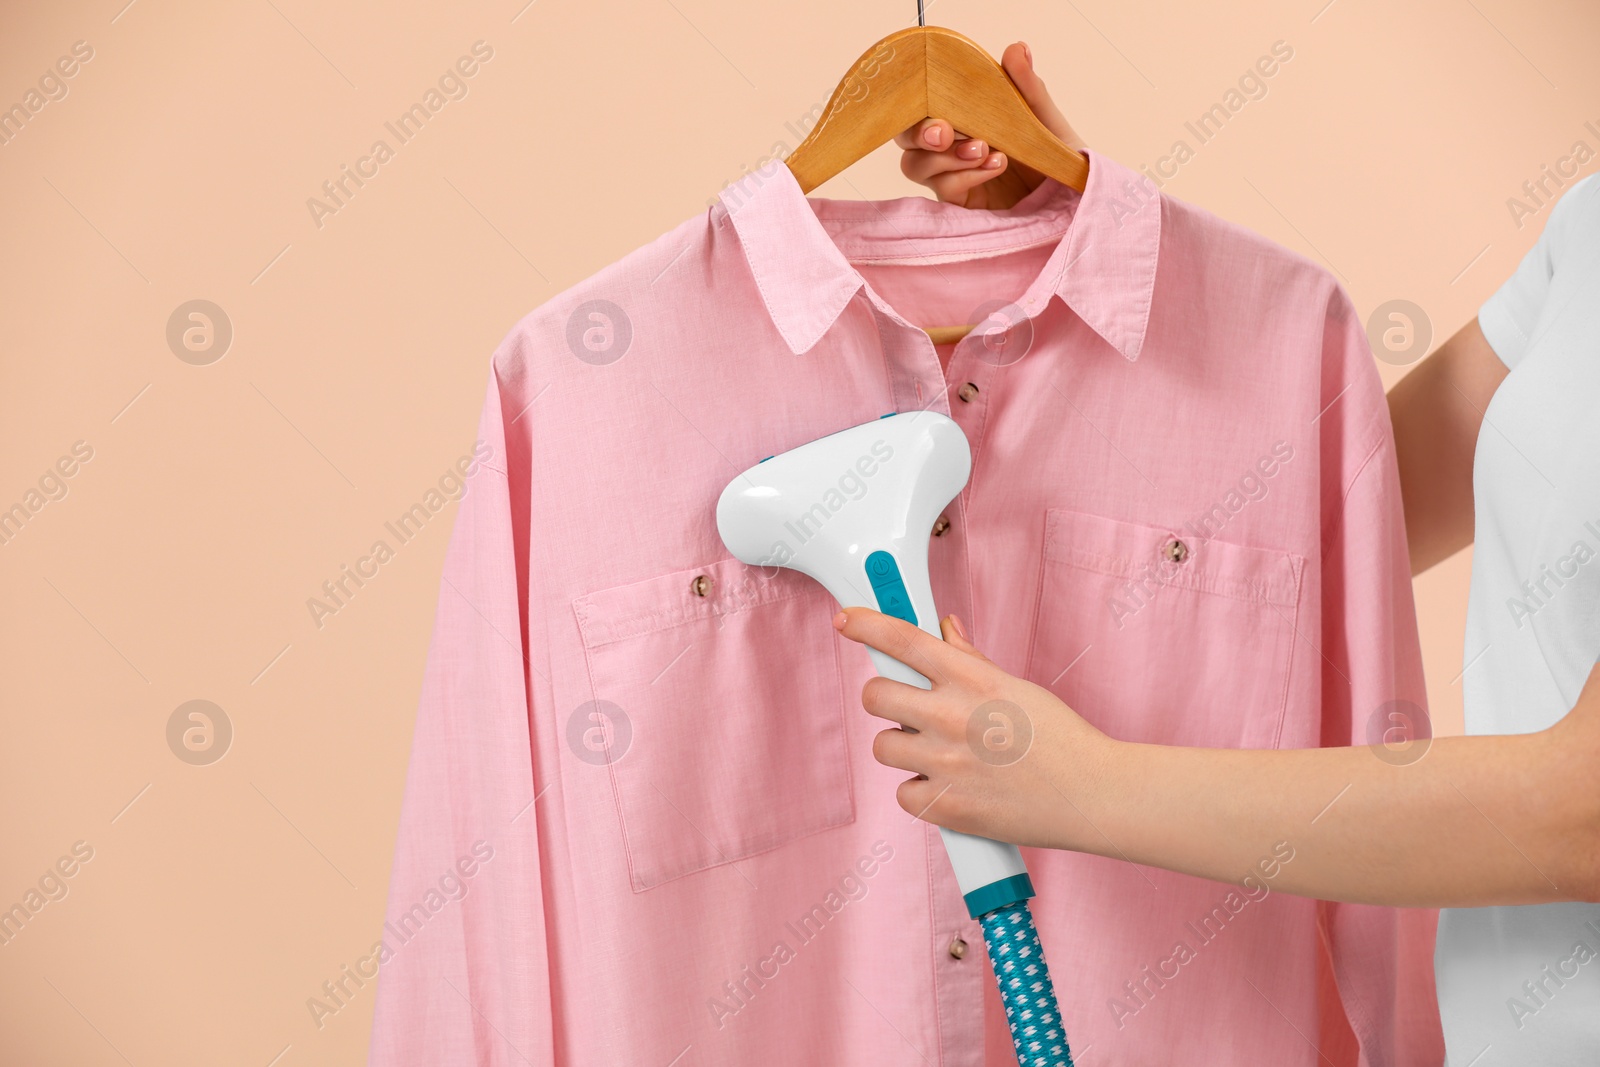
x=965, y=171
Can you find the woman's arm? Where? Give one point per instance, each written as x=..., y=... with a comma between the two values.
x=1437, y=411
x=1475, y=821
x=1470, y=821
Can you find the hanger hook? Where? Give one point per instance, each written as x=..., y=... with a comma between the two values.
x=921, y=21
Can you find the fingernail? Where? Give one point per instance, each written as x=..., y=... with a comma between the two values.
x=934, y=135
x=971, y=150
x=955, y=621
x=839, y=620
x=1028, y=53
x=995, y=162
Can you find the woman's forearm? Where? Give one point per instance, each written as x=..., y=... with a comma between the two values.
x=1465, y=821
x=1473, y=821
x=1437, y=411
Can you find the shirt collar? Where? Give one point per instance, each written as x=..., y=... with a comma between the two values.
x=1103, y=266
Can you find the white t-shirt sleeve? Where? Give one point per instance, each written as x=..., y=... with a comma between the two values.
x=1508, y=317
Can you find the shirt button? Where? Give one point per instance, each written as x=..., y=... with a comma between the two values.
x=701, y=586
x=958, y=948
x=967, y=392
x=941, y=526
x=1175, y=551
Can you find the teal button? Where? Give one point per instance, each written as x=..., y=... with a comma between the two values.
x=884, y=574
x=894, y=600
x=882, y=569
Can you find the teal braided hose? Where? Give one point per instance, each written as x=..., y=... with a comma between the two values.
x=1030, y=1000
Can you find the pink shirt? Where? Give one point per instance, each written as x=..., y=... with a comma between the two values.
x=1183, y=518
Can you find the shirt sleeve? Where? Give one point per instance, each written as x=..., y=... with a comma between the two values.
x=1382, y=958
x=463, y=974
x=1508, y=317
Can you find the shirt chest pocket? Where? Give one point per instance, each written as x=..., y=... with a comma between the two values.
x=1162, y=637
x=731, y=689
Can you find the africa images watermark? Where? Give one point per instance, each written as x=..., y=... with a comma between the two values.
x=51, y=88
x=999, y=732
x=51, y=886
x=339, y=591
x=850, y=486
x=1399, y=732
x=599, y=732
x=1139, y=992
x=1540, y=192
x=1537, y=593
x=338, y=191
x=739, y=991
x=853, y=90
x=1538, y=992
x=51, y=486
x=1250, y=86
x=1152, y=575
x=452, y=886
x=199, y=732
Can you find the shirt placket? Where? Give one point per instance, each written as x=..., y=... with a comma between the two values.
x=955, y=940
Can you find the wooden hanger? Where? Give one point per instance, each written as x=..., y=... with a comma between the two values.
x=930, y=72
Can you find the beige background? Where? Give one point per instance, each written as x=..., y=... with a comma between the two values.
x=220, y=497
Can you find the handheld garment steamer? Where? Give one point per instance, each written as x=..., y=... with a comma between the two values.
x=802, y=510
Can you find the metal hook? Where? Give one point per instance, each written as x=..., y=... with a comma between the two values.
x=921, y=21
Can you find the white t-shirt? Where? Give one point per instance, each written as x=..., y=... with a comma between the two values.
x=1521, y=985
